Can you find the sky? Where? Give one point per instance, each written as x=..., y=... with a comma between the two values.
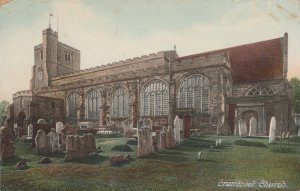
x=108, y=31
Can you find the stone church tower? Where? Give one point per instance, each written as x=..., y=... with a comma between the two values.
x=52, y=58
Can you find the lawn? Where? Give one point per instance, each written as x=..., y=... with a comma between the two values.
x=173, y=169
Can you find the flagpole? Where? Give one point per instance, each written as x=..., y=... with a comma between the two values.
x=57, y=23
x=49, y=19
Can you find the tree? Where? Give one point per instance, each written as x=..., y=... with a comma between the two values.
x=295, y=82
x=3, y=105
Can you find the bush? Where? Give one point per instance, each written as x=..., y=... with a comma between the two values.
x=249, y=143
x=132, y=142
x=124, y=148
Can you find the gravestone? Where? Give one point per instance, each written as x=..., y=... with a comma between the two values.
x=242, y=128
x=170, y=140
x=252, y=126
x=42, y=121
x=29, y=131
x=22, y=165
x=163, y=139
x=199, y=155
x=16, y=130
x=237, y=130
x=67, y=130
x=53, y=141
x=42, y=142
x=148, y=123
x=45, y=127
x=299, y=132
x=59, y=126
x=272, y=130
x=217, y=142
x=177, y=129
x=145, y=143
x=7, y=145
x=287, y=135
x=157, y=141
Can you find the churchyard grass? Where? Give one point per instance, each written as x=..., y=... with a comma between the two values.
x=173, y=169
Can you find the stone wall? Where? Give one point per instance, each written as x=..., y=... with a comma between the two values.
x=133, y=75
x=80, y=146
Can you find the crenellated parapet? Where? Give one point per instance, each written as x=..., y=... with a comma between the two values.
x=145, y=58
x=22, y=93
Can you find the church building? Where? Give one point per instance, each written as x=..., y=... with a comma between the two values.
x=209, y=91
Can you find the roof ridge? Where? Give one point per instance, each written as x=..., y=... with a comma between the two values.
x=224, y=49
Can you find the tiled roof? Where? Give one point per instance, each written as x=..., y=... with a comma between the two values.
x=252, y=62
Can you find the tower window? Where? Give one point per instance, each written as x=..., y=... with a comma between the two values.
x=41, y=54
x=67, y=57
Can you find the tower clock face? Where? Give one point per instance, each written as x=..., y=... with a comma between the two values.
x=40, y=75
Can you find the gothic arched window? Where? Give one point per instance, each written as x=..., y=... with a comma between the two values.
x=72, y=105
x=155, y=97
x=120, y=102
x=261, y=90
x=194, y=93
x=92, y=104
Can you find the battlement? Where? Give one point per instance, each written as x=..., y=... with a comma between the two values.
x=143, y=58
x=50, y=31
x=67, y=46
x=22, y=93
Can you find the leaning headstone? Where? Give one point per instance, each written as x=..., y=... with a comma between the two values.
x=42, y=142
x=54, y=141
x=287, y=135
x=42, y=121
x=177, y=129
x=252, y=126
x=242, y=128
x=29, y=131
x=272, y=130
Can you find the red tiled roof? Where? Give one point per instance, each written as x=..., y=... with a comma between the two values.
x=252, y=62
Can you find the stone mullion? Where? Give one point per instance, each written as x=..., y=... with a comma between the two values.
x=81, y=109
x=102, y=113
